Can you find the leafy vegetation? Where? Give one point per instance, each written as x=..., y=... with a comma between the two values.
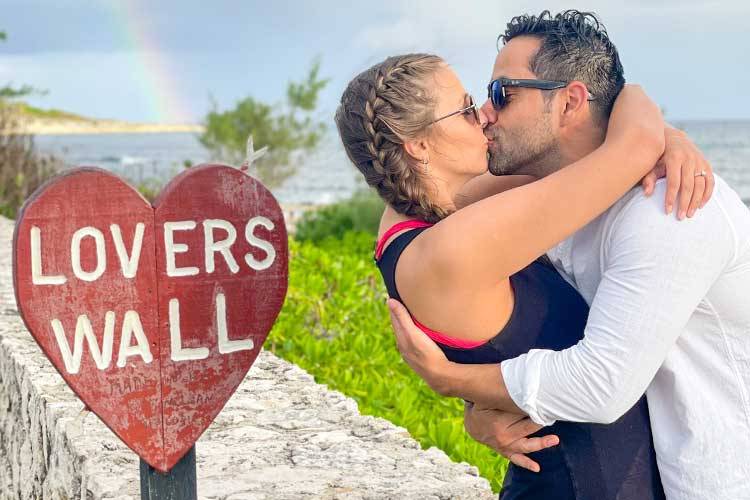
x=335, y=324
x=285, y=129
x=361, y=213
x=22, y=168
x=33, y=112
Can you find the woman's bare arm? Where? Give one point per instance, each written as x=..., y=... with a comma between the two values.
x=495, y=237
x=485, y=185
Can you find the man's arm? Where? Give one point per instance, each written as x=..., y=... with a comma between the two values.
x=656, y=272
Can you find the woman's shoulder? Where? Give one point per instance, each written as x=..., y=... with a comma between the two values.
x=393, y=224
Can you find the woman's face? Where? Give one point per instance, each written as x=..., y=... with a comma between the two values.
x=457, y=143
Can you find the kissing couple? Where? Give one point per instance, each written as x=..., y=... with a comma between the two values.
x=566, y=263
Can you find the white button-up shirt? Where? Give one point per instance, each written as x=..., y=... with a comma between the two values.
x=670, y=315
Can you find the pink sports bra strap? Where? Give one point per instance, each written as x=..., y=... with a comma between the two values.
x=446, y=340
x=436, y=336
x=400, y=226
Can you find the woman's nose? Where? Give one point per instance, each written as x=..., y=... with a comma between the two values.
x=487, y=111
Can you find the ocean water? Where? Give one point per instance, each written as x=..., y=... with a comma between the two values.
x=326, y=175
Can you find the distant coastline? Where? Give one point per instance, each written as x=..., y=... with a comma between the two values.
x=38, y=126
x=34, y=121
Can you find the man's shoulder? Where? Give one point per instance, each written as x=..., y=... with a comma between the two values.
x=638, y=218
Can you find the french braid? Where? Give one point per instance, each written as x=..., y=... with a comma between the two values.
x=380, y=109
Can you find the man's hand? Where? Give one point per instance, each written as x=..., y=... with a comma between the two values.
x=680, y=163
x=506, y=433
x=418, y=350
x=481, y=383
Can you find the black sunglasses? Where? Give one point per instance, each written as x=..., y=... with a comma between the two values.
x=496, y=88
x=471, y=108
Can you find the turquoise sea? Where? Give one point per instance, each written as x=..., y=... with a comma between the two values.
x=326, y=175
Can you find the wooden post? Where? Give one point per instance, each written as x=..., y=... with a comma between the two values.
x=177, y=484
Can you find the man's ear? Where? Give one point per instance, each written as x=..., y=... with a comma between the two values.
x=576, y=102
x=417, y=149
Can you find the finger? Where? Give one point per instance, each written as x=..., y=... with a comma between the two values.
x=399, y=318
x=648, y=183
x=524, y=461
x=710, y=184
x=399, y=314
x=673, y=183
x=530, y=445
x=695, y=200
x=524, y=427
x=687, y=185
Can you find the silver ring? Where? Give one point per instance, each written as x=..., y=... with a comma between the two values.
x=702, y=173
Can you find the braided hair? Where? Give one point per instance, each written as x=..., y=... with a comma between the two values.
x=381, y=108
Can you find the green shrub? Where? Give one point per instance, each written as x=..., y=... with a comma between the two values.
x=360, y=213
x=335, y=325
x=22, y=168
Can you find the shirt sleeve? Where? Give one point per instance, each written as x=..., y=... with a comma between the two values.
x=655, y=272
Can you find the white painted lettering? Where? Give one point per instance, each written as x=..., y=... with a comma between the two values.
x=102, y=357
x=226, y=345
x=37, y=275
x=222, y=246
x=131, y=324
x=128, y=263
x=178, y=352
x=75, y=253
x=171, y=248
x=259, y=243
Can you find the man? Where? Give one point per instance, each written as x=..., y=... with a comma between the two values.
x=669, y=295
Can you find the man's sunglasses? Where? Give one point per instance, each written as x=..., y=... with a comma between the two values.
x=471, y=108
x=496, y=88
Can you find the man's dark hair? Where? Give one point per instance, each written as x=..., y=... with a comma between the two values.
x=575, y=46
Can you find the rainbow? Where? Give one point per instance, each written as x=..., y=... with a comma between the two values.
x=166, y=102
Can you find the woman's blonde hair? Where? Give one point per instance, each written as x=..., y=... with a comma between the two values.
x=381, y=108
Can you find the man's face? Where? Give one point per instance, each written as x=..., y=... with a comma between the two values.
x=521, y=133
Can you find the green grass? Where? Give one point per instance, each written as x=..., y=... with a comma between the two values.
x=335, y=325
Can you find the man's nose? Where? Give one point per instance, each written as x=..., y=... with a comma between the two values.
x=488, y=110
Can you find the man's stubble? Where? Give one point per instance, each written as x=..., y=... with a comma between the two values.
x=532, y=150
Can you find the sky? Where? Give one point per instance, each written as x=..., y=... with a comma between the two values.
x=170, y=61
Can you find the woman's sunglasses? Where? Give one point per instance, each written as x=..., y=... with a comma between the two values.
x=471, y=108
x=496, y=88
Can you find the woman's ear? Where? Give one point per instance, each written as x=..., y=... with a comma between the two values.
x=417, y=149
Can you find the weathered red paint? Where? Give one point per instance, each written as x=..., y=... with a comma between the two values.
x=159, y=409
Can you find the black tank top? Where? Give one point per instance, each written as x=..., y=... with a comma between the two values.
x=593, y=461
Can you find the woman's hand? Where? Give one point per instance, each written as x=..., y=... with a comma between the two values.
x=636, y=125
x=682, y=163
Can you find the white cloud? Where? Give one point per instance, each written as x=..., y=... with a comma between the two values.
x=434, y=24
x=440, y=24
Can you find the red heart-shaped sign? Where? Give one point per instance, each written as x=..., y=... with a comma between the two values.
x=152, y=314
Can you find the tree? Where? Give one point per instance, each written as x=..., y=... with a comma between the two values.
x=286, y=129
x=8, y=92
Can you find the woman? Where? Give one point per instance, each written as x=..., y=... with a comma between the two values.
x=473, y=272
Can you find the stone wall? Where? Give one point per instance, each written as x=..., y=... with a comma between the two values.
x=281, y=436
